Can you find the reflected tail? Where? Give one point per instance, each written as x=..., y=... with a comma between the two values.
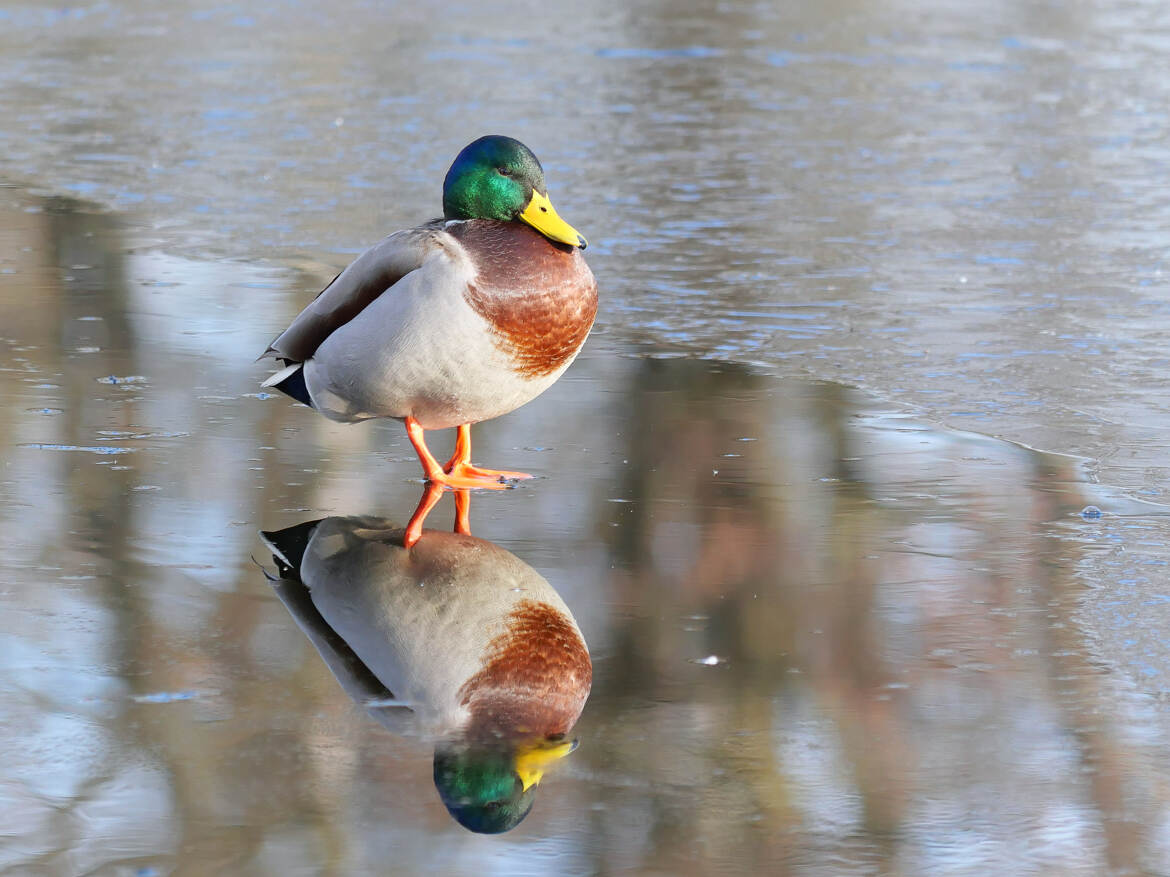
x=288, y=546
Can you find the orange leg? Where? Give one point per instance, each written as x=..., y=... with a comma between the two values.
x=462, y=447
x=460, y=462
x=458, y=473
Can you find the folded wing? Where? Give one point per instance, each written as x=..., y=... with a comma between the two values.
x=372, y=273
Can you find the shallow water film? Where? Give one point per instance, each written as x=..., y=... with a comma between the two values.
x=846, y=549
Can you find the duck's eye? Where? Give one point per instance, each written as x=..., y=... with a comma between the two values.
x=504, y=171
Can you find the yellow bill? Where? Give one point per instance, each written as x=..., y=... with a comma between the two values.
x=533, y=760
x=540, y=215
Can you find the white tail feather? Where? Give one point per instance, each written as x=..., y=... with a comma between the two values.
x=272, y=547
x=282, y=374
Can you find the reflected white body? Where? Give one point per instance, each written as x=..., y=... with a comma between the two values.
x=421, y=620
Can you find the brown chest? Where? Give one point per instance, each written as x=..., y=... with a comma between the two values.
x=539, y=297
x=536, y=673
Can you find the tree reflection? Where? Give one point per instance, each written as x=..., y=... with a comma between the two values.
x=871, y=611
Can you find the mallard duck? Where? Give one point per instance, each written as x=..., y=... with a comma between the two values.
x=459, y=320
x=467, y=639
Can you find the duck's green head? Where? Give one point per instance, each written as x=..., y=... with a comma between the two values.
x=490, y=789
x=499, y=178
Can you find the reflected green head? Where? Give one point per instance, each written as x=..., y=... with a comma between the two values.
x=481, y=789
x=492, y=178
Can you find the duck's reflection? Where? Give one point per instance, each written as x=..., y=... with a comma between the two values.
x=454, y=636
